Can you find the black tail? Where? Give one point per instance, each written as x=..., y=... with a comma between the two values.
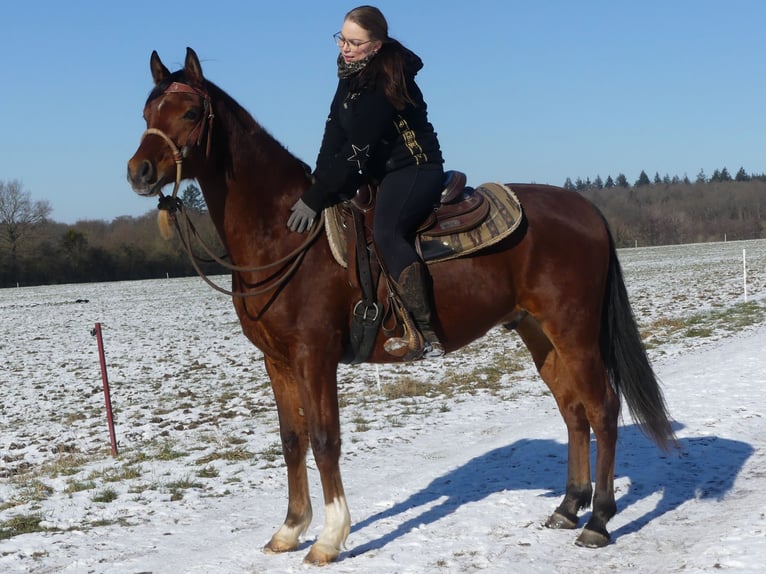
x=626, y=361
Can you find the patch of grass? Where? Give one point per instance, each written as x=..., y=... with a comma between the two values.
x=362, y=424
x=35, y=491
x=271, y=454
x=126, y=472
x=704, y=324
x=79, y=486
x=28, y=491
x=208, y=472
x=22, y=524
x=699, y=332
x=231, y=455
x=488, y=375
x=407, y=387
x=177, y=488
x=73, y=417
x=168, y=452
x=107, y=495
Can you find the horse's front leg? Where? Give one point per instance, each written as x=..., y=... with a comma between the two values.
x=323, y=418
x=294, y=434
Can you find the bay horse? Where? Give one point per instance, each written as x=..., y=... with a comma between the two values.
x=557, y=283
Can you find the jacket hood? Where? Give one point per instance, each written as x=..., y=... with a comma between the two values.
x=412, y=62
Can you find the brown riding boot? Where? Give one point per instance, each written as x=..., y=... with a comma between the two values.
x=412, y=288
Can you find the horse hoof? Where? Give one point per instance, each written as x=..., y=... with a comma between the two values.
x=561, y=522
x=278, y=547
x=592, y=539
x=321, y=555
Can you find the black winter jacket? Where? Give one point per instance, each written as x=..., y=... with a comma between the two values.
x=365, y=138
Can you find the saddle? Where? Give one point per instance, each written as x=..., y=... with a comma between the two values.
x=460, y=207
x=466, y=220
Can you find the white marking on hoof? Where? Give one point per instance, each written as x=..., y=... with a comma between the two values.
x=337, y=525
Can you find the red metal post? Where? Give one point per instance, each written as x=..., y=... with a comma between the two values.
x=107, y=394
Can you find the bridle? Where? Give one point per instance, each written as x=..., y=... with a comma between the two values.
x=200, y=127
x=170, y=205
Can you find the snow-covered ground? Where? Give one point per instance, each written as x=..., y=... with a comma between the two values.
x=449, y=466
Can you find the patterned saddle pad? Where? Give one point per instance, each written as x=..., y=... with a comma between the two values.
x=504, y=216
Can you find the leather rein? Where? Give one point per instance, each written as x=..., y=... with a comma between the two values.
x=170, y=205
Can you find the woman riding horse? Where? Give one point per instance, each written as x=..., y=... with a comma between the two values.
x=378, y=130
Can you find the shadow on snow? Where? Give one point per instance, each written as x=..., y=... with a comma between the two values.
x=704, y=468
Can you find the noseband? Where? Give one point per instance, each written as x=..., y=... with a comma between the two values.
x=200, y=128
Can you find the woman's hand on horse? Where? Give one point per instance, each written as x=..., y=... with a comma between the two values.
x=301, y=217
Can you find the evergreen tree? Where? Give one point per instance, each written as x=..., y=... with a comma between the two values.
x=725, y=175
x=643, y=179
x=609, y=182
x=569, y=185
x=597, y=183
x=701, y=177
x=622, y=181
x=657, y=178
x=192, y=198
x=741, y=175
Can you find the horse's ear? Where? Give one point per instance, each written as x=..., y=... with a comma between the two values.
x=192, y=68
x=159, y=71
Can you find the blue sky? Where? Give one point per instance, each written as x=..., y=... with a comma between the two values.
x=518, y=91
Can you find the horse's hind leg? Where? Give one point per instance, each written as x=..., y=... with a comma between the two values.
x=585, y=399
x=294, y=434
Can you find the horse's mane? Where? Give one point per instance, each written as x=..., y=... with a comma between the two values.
x=241, y=131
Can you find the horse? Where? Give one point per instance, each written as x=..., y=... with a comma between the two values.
x=557, y=283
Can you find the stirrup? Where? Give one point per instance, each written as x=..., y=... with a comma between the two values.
x=409, y=347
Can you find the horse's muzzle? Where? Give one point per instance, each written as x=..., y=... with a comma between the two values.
x=143, y=178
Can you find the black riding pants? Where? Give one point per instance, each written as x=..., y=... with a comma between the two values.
x=405, y=198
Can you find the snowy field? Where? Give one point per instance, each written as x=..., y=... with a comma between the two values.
x=449, y=466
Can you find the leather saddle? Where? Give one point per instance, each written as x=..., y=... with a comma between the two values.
x=460, y=208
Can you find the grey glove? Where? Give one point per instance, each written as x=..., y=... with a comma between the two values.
x=301, y=218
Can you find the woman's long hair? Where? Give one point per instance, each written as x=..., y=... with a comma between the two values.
x=391, y=61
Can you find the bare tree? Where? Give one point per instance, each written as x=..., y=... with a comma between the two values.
x=19, y=216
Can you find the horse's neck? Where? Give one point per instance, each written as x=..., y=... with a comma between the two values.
x=252, y=195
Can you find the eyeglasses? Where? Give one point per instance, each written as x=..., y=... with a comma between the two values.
x=341, y=41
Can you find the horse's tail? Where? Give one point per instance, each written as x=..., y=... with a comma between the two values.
x=626, y=361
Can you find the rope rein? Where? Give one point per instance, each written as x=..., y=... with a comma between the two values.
x=172, y=204
x=291, y=261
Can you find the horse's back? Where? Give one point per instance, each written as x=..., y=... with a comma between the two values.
x=560, y=210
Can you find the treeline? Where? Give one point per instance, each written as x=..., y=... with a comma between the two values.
x=719, y=176
x=666, y=214
x=128, y=248
x=35, y=250
x=666, y=210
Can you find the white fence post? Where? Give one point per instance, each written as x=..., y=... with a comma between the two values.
x=744, y=273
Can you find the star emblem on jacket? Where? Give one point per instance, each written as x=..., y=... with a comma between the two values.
x=361, y=154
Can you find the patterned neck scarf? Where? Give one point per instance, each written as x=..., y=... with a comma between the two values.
x=346, y=70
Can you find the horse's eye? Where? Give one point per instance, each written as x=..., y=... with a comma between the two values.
x=191, y=115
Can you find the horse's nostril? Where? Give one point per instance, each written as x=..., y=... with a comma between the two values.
x=146, y=171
